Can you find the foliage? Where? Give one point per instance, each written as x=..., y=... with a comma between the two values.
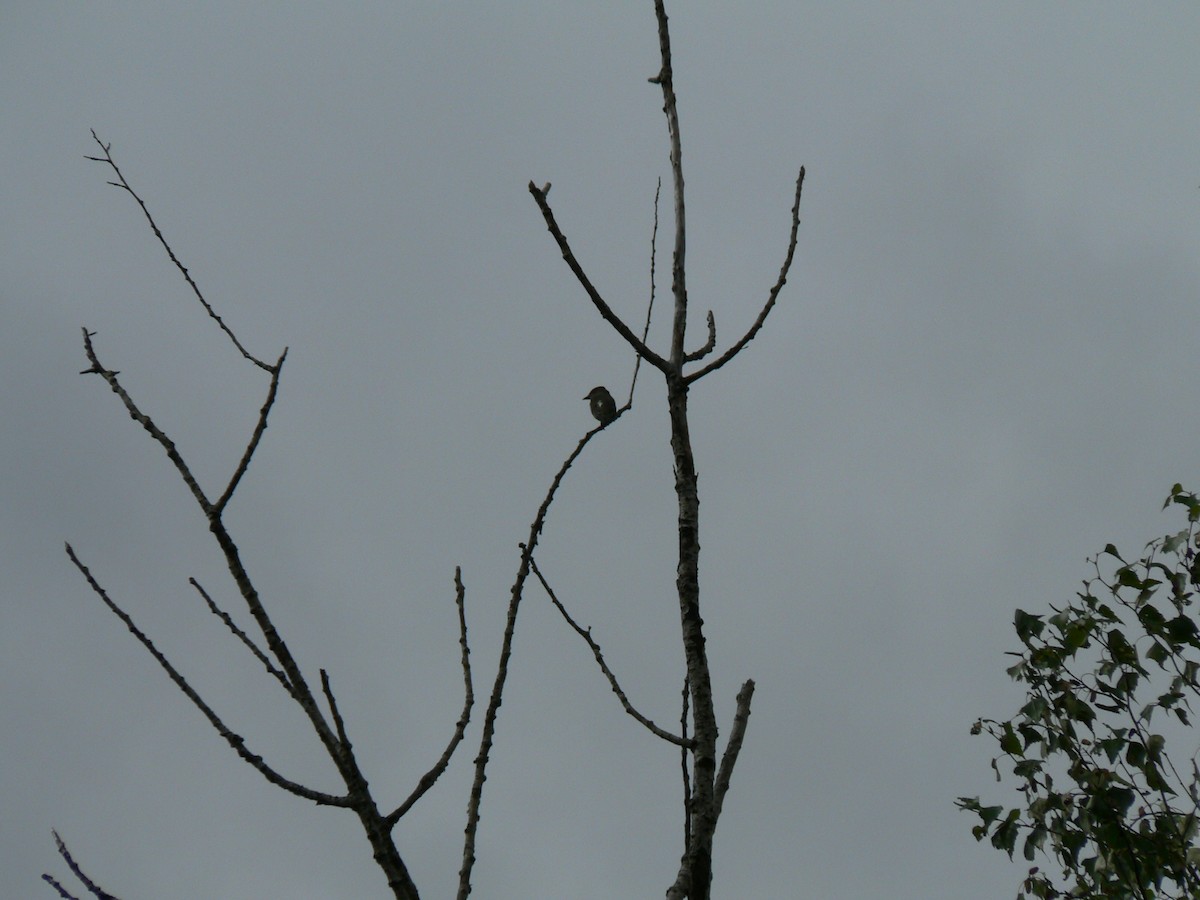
x=1108, y=676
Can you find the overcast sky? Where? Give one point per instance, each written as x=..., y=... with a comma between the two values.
x=982, y=369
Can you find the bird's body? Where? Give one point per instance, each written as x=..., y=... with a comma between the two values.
x=604, y=408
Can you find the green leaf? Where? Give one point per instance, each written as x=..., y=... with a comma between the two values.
x=1154, y=779
x=1035, y=710
x=1009, y=742
x=1126, y=577
x=1172, y=542
x=1034, y=841
x=1120, y=648
x=1045, y=658
x=1182, y=630
x=1027, y=625
x=1005, y=835
x=1158, y=653
x=1112, y=747
x=1127, y=683
x=1152, y=620
x=1154, y=746
x=1135, y=754
x=990, y=814
x=1027, y=768
x=1077, y=634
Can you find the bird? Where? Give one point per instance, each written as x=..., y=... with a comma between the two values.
x=604, y=408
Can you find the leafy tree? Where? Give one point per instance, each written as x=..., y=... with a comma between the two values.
x=1110, y=677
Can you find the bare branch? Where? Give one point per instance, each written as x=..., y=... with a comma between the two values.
x=259, y=428
x=708, y=345
x=586, y=634
x=428, y=779
x=338, y=722
x=275, y=643
x=779, y=283
x=62, y=891
x=243, y=637
x=683, y=882
x=734, y=745
x=121, y=182
x=94, y=889
x=622, y=329
x=234, y=740
x=145, y=421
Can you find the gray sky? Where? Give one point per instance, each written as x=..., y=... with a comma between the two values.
x=982, y=370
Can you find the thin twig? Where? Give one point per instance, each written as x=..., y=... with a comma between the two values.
x=259, y=428
x=121, y=182
x=145, y=421
x=637, y=360
x=244, y=638
x=338, y=722
x=586, y=634
x=62, y=891
x=234, y=740
x=94, y=889
x=427, y=780
x=779, y=283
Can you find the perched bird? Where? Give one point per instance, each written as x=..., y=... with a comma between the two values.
x=604, y=408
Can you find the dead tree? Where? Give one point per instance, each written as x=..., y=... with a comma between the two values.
x=705, y=781
x=276, y=658
x=706, y=766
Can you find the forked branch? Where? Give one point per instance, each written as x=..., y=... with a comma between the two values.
x=234, y=740
x=276, y=658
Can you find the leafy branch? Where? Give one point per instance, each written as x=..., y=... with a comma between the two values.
x=1109, y=677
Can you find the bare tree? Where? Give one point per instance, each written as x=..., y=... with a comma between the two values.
x=706, y=766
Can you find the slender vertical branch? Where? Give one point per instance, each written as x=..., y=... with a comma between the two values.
x=666, y=80
x=637, y=361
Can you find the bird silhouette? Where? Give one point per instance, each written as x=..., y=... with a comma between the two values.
x=604, y=408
